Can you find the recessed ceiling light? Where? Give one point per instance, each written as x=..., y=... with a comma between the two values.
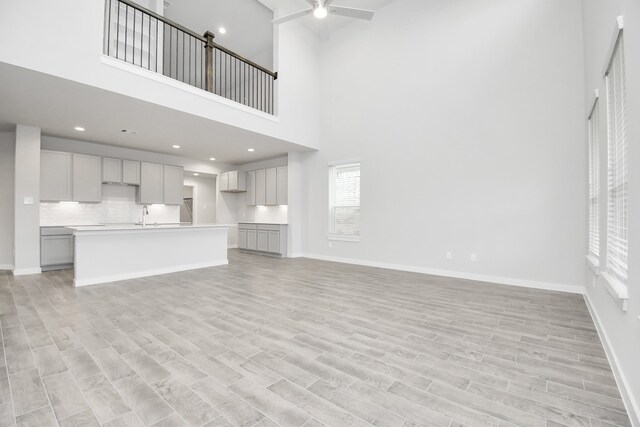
x=79, y=128
x=128, y=131
x=213, y=159
x=176, y=146
x=251, y=150
x=196, y=174
x=222, y=30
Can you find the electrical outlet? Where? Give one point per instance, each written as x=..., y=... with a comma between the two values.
x=449, y=255
x=330, y=244
x=473, y=257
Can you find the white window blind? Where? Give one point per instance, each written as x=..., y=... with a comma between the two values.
x=618, y=174
x=594, y=181
x=344, y=201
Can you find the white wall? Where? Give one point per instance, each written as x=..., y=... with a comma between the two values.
x=620, y=330
x=72, y=50
x=118, y=206
x=468, y=119
x=26, y=259
x=204, y=198
x=7, y=158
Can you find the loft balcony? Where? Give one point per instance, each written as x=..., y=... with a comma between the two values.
x=145, y=39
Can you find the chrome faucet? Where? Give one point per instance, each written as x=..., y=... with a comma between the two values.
x=145, y=212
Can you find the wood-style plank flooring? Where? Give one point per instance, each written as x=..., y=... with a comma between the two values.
x=266, y=342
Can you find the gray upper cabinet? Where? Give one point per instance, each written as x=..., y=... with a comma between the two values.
x=261, y=187
x=130, y=172
x=173, y=185
x=272, y=187
x=223, y=181
x=251, y=188
x=151, y=184
x=111, y=170
x=55, y=176
x=87, y=179
x=233, y=181
x=268, y=187
x=282, y=192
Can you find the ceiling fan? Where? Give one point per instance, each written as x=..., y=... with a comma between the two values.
x=321, y=8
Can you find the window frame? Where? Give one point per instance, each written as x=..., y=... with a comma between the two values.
x=594, y=247
x=616, y=267
x=331, y=234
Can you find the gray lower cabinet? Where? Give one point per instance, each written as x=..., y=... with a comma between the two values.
x=56, y=248
x=270, y=239
x=263, y=241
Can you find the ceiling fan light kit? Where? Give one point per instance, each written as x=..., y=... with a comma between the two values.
x=321, y=8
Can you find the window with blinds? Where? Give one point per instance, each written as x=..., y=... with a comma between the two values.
x=344, y=201
x=594, y=181
x=618, y=172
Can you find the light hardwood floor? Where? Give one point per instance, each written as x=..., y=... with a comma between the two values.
x=269, y=342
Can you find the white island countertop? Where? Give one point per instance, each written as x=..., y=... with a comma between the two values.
x=119, y=252
x=136, y=227
x=263, y=222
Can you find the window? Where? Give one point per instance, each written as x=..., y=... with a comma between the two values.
x=344, y=201
x=618, y=174
x=594, y=181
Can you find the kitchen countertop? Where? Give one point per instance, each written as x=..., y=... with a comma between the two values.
x=148, y=227
x=263, y=222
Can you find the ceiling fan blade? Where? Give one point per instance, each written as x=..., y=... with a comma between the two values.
x=314, y=2
x=292, y=16
x=352, y=12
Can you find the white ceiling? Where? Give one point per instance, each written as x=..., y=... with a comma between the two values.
x=57, y=105
x=324, y=27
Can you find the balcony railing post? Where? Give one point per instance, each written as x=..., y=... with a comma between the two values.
x=208, y=48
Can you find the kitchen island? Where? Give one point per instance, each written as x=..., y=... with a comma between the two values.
x=111, y=253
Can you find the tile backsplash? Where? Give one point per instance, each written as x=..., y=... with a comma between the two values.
x=118, y=207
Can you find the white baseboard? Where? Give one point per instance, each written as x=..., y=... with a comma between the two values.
x=630, y=402
x=6, y=267
x=574, y=289
x=26, y=271
x=146, y=273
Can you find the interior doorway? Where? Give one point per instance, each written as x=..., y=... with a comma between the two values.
x=186, y=208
